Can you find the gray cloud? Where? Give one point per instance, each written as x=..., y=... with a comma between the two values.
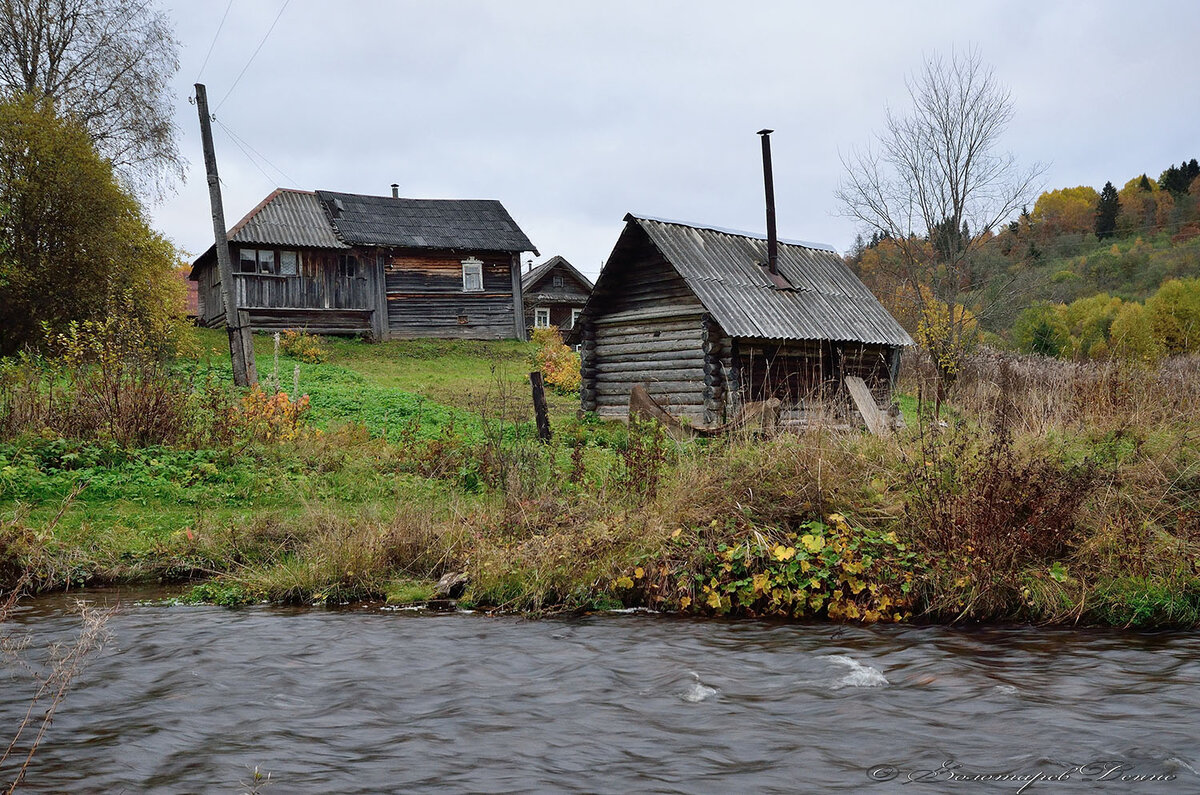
x=574, y=113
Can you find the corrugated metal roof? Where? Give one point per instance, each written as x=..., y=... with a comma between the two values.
x=481, y=224
x=287, y=218
x=826, y=300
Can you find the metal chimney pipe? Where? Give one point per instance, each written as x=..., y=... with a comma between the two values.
x=769, y=180
x=395, y=190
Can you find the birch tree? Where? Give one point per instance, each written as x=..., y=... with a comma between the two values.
x=107, y=64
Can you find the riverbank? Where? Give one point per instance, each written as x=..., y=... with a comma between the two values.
x=1046, y=492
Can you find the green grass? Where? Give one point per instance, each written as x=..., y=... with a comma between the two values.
x=398, y=421
x=462, y=374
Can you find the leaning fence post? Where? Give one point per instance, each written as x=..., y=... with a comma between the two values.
x=539, y=405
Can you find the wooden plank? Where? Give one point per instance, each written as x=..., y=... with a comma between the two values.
x=876, y=422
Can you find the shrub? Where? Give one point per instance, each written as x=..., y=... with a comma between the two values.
x=983, y=514
x=303, y=346
x=272, y=418
x=824, y=568
x=107, y=384
x=558, y=363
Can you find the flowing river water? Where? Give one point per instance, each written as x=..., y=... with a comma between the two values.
x=367, y=699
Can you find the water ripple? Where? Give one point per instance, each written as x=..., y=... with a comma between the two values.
x=192, y=699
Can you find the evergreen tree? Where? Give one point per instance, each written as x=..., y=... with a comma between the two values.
x=1144, y=184
x=1106, y=211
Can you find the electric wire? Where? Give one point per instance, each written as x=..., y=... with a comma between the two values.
x=252, y=56
x=214, y=42
x=246, y=144
x=250, y=157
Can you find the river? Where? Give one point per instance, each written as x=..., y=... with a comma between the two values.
x=368, y=699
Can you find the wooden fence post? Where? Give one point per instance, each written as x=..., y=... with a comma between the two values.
x=539, y=405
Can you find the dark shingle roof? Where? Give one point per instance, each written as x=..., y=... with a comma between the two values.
x=424, y=223
x=533, y=276
x=826, y=301
x=287, y=218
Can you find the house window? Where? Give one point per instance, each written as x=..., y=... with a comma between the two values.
x=289, y=262
x=541, y=318
x=575, y=316
x=268, y=260
x=347, y=266
x=472, y=270
x=558, y=282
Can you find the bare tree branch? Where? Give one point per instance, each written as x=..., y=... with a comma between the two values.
x=936, y=182
x=107, y=63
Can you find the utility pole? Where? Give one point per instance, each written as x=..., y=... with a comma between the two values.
x=241, y=345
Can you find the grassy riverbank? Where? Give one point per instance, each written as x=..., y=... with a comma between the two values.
x=1047, y=492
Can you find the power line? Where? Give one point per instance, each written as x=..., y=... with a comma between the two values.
x=249, y=157
x=252, y=56
x=237, y=139
x=214, y=42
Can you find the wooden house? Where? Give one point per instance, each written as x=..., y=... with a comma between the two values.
x=389, y=267
x=555, y=293
x=695, y=315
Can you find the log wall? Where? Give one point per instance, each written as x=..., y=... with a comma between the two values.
x=662, y=353
x=425, y=296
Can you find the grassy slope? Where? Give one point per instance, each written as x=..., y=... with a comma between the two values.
x=456, y=373
x=136, y=501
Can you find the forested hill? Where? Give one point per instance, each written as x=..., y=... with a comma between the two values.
x=1056, y=279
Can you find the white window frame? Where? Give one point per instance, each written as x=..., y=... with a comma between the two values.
x=575, y=313
x=541, y=318
x=472, y=268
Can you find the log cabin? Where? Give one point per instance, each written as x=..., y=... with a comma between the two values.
x=387, y=267
x=555, y=293
x=695, y=315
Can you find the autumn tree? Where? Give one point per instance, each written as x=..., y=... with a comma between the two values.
x=937, y=173
x=1107, y=208
x=1066, y=211
x=107, y=64
x=74, y=245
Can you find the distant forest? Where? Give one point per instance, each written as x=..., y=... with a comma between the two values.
x=1084, y=274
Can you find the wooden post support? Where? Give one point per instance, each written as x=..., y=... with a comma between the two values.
x=518, y=299
x=539, y=405
x=246, y=346
x=241, y=352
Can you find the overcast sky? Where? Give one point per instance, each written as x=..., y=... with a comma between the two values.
x=575, y=113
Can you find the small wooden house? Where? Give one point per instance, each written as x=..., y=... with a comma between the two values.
x=694, y=314
x=389, y=267
x=555, y=293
